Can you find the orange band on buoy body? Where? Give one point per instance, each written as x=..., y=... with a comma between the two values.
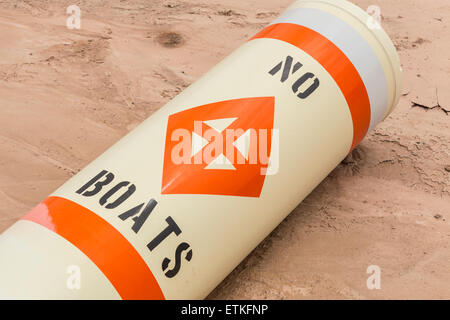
x=102, y=243
x=337, y=65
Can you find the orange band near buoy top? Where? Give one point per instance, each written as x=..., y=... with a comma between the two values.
x=102, y=243
x=336, y=63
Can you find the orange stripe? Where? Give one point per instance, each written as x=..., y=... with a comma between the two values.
x=102, y=243
x=336, y=63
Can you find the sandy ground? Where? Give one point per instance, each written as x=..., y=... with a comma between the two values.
x=67, y=95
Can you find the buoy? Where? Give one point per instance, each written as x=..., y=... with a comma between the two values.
x=171, y=209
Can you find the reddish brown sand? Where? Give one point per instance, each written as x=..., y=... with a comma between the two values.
x=67, y=95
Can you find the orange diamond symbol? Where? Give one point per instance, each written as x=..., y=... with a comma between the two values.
x=224, y=147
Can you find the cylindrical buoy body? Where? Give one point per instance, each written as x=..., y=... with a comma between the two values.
x=171, y=209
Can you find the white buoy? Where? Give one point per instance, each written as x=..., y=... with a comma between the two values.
x=170, y=210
